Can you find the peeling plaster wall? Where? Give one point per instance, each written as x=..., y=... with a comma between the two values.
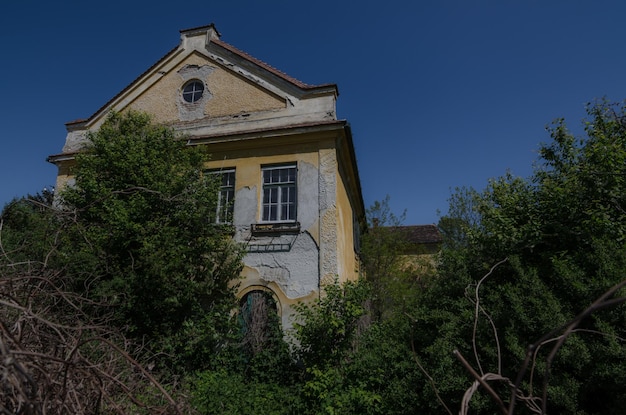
x=294, y=271
x=309, y=183
x=328, y=215
x=75, y=141
x=226, y=93
x=291, y=265
x=194, y=111
x=237, y=100
x=245, y=209
x=292, y=275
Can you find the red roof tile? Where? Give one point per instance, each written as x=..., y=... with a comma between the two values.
x=268, y=67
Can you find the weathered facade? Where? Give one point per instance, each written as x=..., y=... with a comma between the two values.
x=290, y=181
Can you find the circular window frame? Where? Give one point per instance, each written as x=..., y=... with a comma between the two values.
x=194, y=95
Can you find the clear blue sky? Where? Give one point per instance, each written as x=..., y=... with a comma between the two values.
x=439, y=93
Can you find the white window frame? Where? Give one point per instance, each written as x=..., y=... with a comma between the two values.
x=193, y=91
x=275, y=189
x=225, y=196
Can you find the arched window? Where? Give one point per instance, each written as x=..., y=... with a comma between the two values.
x=259, y=320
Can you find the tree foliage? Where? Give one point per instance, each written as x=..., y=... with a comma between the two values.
x=119, y=282
x=327, y=327
x=562, y=235
x=142, y=218
x=133, y=255
x=390, y=262
x=56, y=356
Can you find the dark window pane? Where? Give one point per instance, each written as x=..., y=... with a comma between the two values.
x=192, y=92
x=225, y=201
x=273, y=212
x=266, y=213
x=279, y=193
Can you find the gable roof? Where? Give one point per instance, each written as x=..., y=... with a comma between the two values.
x=303, y=107
x=213, y=38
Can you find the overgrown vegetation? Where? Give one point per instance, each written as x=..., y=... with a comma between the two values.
x=118, y=297
x=124, y=263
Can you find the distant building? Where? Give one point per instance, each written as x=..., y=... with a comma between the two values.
x=420, y=239
x=290, y=184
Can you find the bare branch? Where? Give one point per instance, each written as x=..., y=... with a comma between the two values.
x=477, y=308
x=566, y=329
x=55, y=358
x=481, y=381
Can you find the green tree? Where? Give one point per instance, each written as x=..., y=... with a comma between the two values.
x=558, y=238
x=326, y=338
x=325, y=330
x=27, y=228
x=141, y=241
x=389, y=262
x=56, y=355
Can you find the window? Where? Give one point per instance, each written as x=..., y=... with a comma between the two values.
x=192, y=91
x=226, y=196
x=279, y=193
x=259, y=321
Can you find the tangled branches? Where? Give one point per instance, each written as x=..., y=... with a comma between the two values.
x=557, y=336
x=55, y=358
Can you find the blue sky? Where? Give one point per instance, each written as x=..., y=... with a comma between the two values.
x=439, y=94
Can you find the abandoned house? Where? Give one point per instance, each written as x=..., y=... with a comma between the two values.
x=287, y=163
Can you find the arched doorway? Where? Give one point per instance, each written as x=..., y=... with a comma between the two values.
x=259, y=320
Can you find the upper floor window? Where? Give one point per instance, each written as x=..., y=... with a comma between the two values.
x=279, y=193
x=226, y=196
x=193, y=90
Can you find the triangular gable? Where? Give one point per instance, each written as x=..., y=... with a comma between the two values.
x=239, y=92
x=224, y=93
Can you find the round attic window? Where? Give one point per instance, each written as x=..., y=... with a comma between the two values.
x=193, y=90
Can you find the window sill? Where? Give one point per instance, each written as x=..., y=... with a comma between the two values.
x=275, y=228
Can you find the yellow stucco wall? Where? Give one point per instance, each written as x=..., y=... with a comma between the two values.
x=160, y=100
x=347, y=264
x=333, y=229
x=230, y=94
x=64, y=175
x=248, y=162
x=234, y=95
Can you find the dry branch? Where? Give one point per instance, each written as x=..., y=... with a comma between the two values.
x=558, y=336
x=55, y=358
